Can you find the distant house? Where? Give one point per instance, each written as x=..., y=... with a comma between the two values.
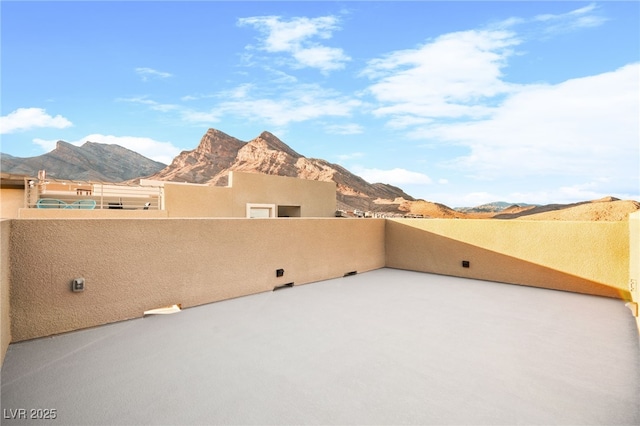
x=250, y=195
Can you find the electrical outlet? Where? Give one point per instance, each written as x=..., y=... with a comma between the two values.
x=465, y=264
x=77, y=285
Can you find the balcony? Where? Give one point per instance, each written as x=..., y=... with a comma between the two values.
x=391, y=327
x=383, y=347
x=67, y=194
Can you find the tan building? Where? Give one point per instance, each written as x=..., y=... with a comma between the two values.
x=250, y=195
x=247, y=195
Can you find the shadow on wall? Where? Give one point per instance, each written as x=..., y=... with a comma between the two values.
x=416, y=249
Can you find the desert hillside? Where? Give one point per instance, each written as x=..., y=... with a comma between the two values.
x=218, y=153
x=89, y=162
x=610, y=209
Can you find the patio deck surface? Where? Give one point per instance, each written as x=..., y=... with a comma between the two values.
x=382, y=347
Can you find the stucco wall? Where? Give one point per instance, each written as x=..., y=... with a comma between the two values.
x=11, y=200
x=133, y=265
x=584, y=257
x=197, y=200
x=5, y=307
x=634, y=259
x=90, y=214
x=316, y=198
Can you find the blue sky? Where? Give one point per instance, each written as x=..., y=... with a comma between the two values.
x=456, y=102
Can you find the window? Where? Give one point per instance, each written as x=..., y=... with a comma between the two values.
x=289, y=211
x=261, y=210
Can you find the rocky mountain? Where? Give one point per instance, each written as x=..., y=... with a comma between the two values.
x=495, y=207
x=91, y=162
x=218, y=154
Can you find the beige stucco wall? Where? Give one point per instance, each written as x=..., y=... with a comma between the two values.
x=5, y=307
x=316, y=198
x=197, y=200
x=584, y=257
x=634, y=259
x=90, y=214
x=133, y=265
x=11, y=200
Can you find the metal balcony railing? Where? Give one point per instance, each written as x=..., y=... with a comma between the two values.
x=69, y=194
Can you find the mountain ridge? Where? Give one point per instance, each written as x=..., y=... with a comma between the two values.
x=218, y=153
x=494, y=207
x=91, y=161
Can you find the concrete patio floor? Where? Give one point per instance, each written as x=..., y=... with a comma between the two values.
x=383, y=347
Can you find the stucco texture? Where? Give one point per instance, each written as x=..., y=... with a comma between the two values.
x=11, y=200
x=133, y=265
x=634, y=259
x=90, y=214
x=315, y=198
x=583, y=257
x=197, y=200
x=5, y=279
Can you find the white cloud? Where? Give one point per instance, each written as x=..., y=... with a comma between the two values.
x=296, y=37
x=188, y=115
x=284, y=111
x=584, y=127
x=156, y=106
x=296, y=104
x=450, y=77
x=202, y=117
x=29, y=118
x=148, y=73
x=345, y=129
x=344, y=157
x=451, y=93
x=571, y=193
x=322, y=57
x=583, y=17
x=163, y=152
x=276, y=104
x=458, y=75
x=239, y=92
x=46, y=145
x=286, y=36
x=561, y=195
x=397, y=176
